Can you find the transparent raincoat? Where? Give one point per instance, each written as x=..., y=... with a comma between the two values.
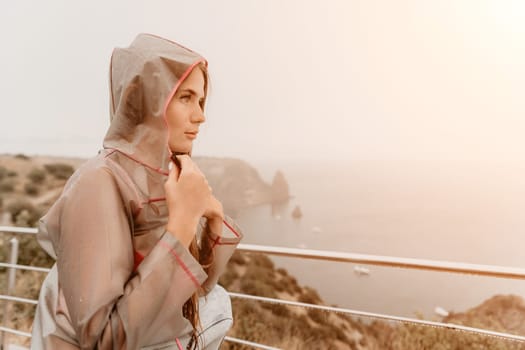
x=120, y=280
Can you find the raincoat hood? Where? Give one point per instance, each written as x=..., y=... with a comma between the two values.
x=143, y=79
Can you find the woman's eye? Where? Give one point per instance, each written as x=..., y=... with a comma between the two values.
x=185, y=98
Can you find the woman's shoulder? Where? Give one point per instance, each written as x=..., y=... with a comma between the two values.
x=110, y=171
x=112, y=167
x=97, y=175
x=95, y=169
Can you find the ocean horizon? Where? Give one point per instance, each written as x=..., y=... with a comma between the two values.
x=455, y=211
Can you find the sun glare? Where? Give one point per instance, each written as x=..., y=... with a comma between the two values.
x=509, y=14
x=503, y=16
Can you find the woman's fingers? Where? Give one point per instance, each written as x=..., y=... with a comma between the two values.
x=214, y=208
x=207, y=184
x=174, y=172
x=187, y=187
x=188, y=166
x=186, y=162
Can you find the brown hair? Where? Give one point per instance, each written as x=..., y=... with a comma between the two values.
x=204, y=70
x=203, y=253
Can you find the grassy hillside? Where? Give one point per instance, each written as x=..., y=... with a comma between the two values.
x=28, y=186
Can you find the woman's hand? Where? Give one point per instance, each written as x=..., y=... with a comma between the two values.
x=188, y=197
x=214, y=209
x=215, y=215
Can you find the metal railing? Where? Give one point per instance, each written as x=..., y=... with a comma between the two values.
x=388, y=261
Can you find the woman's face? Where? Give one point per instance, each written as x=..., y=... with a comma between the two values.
x=185, y=114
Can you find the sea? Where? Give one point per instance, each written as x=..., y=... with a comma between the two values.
x=457, y=211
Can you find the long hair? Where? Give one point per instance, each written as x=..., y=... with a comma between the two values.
x=203, y=253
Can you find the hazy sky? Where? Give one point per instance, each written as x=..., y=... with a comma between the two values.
x=290, y=79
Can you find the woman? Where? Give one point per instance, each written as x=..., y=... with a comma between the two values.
x=139, y=248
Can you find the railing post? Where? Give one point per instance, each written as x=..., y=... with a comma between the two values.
x=11, y=280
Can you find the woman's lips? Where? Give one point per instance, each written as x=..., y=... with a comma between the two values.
x=191, y=135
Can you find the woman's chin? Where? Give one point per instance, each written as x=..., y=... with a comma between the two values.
x=181, y=149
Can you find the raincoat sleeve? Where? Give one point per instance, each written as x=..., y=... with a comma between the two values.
x=224, y=244
x=108, y=308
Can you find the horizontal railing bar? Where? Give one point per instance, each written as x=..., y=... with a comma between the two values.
x=18, y=299
x=25, y=267
x=378, y=260
x=14, y=229
x=388, y=261
x=330, y=309
x=382, y=316
x=245, y=342
x=14, y=331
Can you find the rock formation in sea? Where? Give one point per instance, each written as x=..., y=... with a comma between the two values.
x=280, y=189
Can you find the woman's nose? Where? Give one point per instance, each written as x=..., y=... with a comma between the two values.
x=198, y=116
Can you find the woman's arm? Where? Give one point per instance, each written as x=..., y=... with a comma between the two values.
x=107, y=309
x=223, y=237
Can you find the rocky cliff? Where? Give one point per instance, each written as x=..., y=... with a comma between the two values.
x=235, y=183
